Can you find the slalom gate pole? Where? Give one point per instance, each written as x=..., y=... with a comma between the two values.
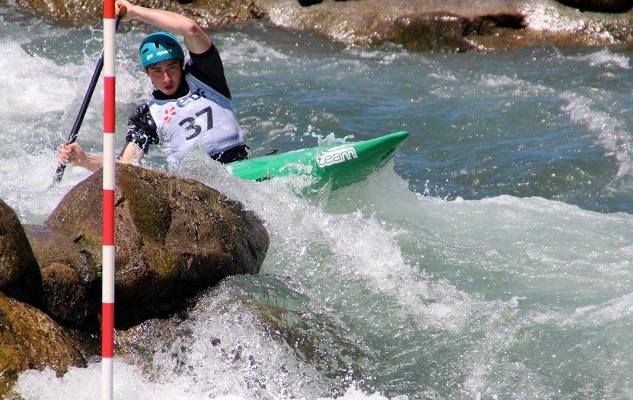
x=107, y=288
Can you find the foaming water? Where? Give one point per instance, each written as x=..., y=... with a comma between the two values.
x=613, y=136
x=562, y=272
x=518, y=254
x=605, y=58
x=131, y=384
x=490, y=259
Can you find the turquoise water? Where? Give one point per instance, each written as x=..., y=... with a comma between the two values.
x=490, y=260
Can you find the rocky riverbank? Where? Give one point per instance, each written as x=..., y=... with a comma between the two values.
x=182, y=248
x=422, y=25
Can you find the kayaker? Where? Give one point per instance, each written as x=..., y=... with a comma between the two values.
x=191, y=104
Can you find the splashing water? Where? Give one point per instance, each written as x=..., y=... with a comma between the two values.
x=490, y=259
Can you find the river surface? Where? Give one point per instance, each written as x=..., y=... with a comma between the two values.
x=491, y=259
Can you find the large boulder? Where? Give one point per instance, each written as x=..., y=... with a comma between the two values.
x=209, y=13
x=292, y=317
x=451, y=25
x=29, y=339
x=70, y=276
x=19, y=272
x=507, y=24
x=174, y=237
x=280, y=312
x=417, y=24
x=438, y=32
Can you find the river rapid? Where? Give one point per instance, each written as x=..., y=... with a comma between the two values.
x=491, y=259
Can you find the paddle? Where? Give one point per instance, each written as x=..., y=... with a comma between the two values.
x=74, y=132
x=268, y=153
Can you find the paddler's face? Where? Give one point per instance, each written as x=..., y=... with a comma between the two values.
x=166, y=76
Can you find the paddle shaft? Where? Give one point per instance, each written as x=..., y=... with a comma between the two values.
x=74, y=132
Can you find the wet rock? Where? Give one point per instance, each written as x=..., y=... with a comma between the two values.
x=138, y=344
x=291, y=317
x=174, y=237
x=19, y=271
x=208, y=13
x=280, y=313
x=488, y=25
x=447, y=32
x=417, y=24
x=67, y=296
x=71, y=282
x=425, y=32
x=29, y=339
x=608, y=6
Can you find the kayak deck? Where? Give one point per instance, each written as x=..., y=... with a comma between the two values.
x=338, y=165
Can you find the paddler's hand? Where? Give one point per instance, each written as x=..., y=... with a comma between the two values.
x=125, y=9
x=71, y=153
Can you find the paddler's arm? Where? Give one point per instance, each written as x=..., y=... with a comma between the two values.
x=131, y=152
x=76, y=155
x=196, y=39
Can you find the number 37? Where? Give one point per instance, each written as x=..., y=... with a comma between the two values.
x=191, y=123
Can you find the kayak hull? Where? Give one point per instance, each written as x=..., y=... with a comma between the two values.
x=336, y=165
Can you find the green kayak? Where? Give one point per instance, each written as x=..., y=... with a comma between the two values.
x=337, y=165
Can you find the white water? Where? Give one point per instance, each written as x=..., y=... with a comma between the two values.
x=506, y=295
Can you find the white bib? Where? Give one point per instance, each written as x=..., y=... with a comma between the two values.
x=202, y=118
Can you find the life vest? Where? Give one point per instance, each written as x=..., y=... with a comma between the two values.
x=202, y=118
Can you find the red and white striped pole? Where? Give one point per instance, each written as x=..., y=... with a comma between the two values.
x=107, y=289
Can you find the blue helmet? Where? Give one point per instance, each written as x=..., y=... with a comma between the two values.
x=159, y=46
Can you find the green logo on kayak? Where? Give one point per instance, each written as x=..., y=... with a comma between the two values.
x=336, y=155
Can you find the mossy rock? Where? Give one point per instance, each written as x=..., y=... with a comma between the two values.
x=29, y=339
x=19, y=271
x=174, y=237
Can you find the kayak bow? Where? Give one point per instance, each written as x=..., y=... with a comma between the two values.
x=338, y=165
